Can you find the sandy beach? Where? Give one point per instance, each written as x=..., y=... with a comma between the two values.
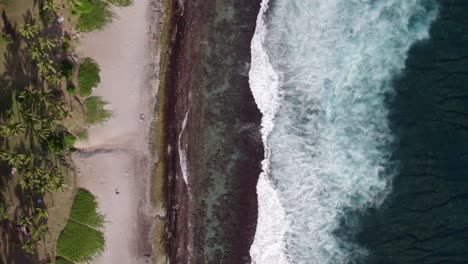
x=115, y=163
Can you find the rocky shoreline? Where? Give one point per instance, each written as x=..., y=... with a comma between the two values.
x=212, y=219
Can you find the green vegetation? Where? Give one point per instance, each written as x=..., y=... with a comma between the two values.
x=83, y=135
x=93, y=14
x=121, y=2
x=34, y=164
x=3, y=212
x=96, y=113
x=29, y=30
x=71, y=89
x=81, y=239
x=60, y=260
x=67, y=44
x=79, y=243
x=5, y=2
x=88, y=77
x=61, y=143
x=41, y=117
x=49, y=10
x=66, y=69
x=84, y=209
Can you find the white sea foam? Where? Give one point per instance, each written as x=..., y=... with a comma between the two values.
x=182, y=153
x=264, y=81
x=324, y=121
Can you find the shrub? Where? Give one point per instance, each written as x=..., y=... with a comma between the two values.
x=69, y=140
x=94, y=15
x=96, y=113
x=56, y=143
x=61, y=142
x=67, y=44
x=71, y=89
x=88, y=77
x=3, y=212
x=83, y=135
x=66, y=69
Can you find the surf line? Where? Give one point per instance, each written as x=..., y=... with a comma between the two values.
x=268, y=245
x=182, y=152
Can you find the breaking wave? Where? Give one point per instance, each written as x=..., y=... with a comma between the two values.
x=320, y=73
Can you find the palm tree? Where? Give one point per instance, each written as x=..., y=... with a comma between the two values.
x=41, y=214
x=28, y=30
x=46, y=66
x=28, y=182
x=47, y=43
x=24, y=221
x=36, y=52
x=25, y=159
x=53, y=125
x=53, y=79
x=29, y=245
x=6, y=156
x=38, y=231
x=34, y=171
x=44, y=99
x=29, y=117
x=51, y=6
x=28, y=94
x=55, y=180
x=15, y=160
x=11, y=129
x=44, y=133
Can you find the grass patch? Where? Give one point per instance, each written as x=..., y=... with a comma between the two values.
x=96, y=113
x=121, y=2
x=88, y=77
x=94, y=15
x=60, y=260
x=84, y=209
x=79, y=243
x=81, y=239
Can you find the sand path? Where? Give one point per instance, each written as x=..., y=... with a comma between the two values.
x=116, y=158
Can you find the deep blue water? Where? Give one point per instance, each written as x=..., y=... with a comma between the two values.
x=425, y=218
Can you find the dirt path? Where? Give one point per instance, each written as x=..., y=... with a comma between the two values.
x=115, y=163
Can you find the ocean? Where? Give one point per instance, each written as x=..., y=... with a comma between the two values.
x=365, y=127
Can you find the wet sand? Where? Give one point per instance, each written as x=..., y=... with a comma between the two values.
x=116, y=162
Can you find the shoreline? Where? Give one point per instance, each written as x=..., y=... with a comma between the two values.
x=160, y=190
x=115, y=164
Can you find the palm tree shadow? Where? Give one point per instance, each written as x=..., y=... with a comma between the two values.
x=9, y=28
x=18, y=74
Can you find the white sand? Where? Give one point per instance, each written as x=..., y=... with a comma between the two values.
x=117, y=154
